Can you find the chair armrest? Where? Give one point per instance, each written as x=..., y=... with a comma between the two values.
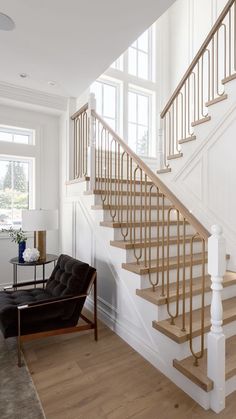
x=24, y=284
x=7, y=287
x=51, y=302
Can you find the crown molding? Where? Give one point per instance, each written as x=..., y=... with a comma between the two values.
x=10, y=94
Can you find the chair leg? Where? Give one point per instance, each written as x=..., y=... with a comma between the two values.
x=95, y=309
x=19, y=341
x=19, y=351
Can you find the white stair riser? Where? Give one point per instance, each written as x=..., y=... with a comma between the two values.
x=104, y=186
x=138, y=214
x=145, y=283
x=108, y=199
x=173, y=232
x=162, y=310
x=155, y=253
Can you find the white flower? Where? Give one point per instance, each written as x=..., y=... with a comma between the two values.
x=31, y=255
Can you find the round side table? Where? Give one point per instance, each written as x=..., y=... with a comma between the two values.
x=15, y=262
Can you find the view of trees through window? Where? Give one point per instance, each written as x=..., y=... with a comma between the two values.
x=138, y=122
x=14, y=191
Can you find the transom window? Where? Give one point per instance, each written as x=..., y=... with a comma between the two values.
x=139, y=121
x=16, y=175
x=126, y=98
x=106, y=94
x=118, y=64
x=16, y=135
x=140, y=57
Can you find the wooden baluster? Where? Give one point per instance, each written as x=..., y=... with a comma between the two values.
x=92, y=140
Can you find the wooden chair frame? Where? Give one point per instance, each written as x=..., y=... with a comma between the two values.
x=90, y=324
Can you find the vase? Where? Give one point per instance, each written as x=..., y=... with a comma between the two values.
x=21, y=250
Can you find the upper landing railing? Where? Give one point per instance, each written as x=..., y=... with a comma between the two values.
x=202, y=85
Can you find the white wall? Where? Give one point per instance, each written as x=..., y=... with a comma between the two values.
x=189, y=22
x=204, y=179
x=47, y=187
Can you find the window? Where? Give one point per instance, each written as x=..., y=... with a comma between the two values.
x=106, y=94
x=16, y=176
x=16, y=135
x=126, y=98
x=139, y=121
x=118, y=64
x=140, y=56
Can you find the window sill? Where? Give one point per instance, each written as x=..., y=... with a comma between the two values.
x=4, y=236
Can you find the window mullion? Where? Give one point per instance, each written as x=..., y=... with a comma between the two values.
x=12, y=185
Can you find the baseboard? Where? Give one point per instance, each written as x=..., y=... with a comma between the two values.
x=151, y=355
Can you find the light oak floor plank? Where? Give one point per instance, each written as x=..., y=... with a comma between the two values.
x=78, y=378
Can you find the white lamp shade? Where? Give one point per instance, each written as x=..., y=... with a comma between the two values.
x=39, y=220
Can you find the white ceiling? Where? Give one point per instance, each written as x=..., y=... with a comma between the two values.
x=70, y=42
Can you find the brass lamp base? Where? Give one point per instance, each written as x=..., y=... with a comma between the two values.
x=40, y=243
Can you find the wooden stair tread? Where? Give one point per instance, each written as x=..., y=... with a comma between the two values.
x=187, y=139
x=106, y=207
x=134, y=182
x=174, y=156
x=199, y=374
x=112, y=180
x=157, y=299
x=122, y=193
x=77, y=180
x=161, y=171
x=141, y=269
x=126, y=244
x=175, y=333
x=229, y=78
x=117, y=224
x=201, y=121
x=216, y=100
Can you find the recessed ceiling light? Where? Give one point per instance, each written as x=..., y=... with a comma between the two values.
x=52, y=83
x=24, y=75
x=6, y=23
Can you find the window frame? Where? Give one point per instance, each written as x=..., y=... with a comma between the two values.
x=18, y=131
x=117, y=85
x=123, y=79
x=31, y=190
x=142, y=92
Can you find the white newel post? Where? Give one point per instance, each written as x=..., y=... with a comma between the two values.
x=160, y=146
x=216, y=337
x=92, y=140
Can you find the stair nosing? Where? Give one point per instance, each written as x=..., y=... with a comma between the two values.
x=145, y=270
x=184, y=336
x=126, y=245
x=163, y=300
x=205, y=382
x=123, y=224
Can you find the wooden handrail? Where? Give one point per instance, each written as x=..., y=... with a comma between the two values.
x=198, y=56
x=163, y=188
x=81, y=110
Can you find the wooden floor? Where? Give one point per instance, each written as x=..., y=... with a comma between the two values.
x=78, y=378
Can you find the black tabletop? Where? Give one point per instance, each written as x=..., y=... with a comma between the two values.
x=49, y=258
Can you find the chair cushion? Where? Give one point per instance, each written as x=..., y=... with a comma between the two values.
x=69, y=277
x=9, y=300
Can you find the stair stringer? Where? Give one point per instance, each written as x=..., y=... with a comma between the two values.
x=131, y=318
x=197, y=190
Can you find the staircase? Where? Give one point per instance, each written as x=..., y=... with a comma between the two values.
x=156, y=241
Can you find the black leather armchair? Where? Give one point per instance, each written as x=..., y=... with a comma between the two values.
x=55, y=309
